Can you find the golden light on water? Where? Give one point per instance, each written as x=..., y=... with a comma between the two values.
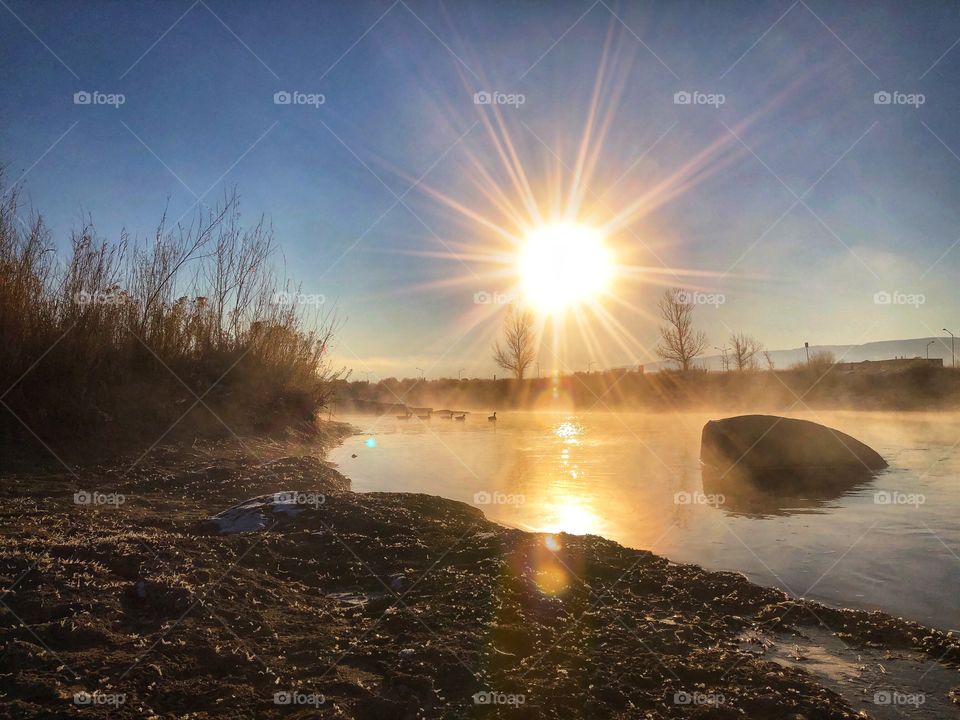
x=571, y=515
x=562, y=265
x=568, y=431
x=569, y=509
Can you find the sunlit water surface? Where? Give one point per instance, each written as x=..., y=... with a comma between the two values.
x=636, y=478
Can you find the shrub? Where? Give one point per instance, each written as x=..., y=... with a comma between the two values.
x=126, y=336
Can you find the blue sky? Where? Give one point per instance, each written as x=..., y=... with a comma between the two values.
x=878, y=184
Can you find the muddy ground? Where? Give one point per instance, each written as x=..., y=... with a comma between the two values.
x=121, y=599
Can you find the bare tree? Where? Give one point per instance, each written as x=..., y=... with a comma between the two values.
x=679, y=342
x=519, y=349
x=745, y=350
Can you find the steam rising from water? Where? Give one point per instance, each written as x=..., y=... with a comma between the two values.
x=636, y=478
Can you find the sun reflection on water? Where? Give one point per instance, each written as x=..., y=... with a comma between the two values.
x=568, y=431
x=564, y=499
x=571, y=515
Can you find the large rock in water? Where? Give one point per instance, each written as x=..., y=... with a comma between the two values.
x=761, y=444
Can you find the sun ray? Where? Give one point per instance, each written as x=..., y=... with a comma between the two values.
x=538, y=231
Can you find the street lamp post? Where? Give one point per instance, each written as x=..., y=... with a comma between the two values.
x=928, y=348
x=953, y=355
x=724, y=362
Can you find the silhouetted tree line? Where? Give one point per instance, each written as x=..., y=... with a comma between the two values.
x=819, y=386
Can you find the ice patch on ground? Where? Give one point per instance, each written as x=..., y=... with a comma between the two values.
x=253, y=515
x=883, y=684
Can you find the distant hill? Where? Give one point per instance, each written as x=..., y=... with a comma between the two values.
x=882, y=350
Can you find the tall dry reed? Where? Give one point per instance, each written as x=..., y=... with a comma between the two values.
x=118, y=340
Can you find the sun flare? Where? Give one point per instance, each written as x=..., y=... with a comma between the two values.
x=563, y=265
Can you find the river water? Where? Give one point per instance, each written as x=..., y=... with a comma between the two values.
x=891, y=542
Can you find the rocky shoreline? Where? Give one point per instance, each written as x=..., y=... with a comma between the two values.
x=125, y=599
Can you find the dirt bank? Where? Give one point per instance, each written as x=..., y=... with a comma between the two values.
x=385, y=605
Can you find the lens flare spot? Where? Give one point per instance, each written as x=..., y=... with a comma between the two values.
x=552, y=579
x=371, y=442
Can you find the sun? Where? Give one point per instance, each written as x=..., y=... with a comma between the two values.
x=563, y=265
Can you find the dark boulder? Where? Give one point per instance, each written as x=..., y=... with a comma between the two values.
x=765, y=443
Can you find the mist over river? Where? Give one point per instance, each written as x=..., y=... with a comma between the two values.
x=888, y=543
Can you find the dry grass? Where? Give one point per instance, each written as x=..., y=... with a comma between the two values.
x=117, y=340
